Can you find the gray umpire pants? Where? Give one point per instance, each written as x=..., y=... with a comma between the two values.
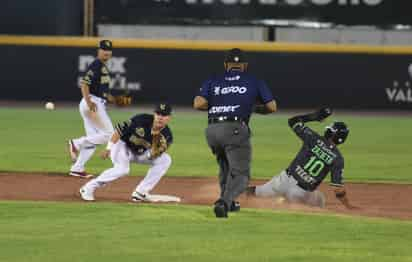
x=230, y=142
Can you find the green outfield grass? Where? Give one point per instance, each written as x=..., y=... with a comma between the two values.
x=378, y=148
x=36, y=231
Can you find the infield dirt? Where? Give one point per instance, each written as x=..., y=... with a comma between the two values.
x=372, y=200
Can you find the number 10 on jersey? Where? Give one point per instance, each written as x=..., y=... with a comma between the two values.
x=314, y=166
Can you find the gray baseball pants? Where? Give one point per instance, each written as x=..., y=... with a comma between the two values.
x=286, y=186
x=230, y=142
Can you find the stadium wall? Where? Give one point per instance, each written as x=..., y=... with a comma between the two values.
x=300, y=75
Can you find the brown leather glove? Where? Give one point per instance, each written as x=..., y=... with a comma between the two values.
x=159, y=145
x=122, y=100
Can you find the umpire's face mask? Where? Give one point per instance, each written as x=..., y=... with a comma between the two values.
x=241, y=67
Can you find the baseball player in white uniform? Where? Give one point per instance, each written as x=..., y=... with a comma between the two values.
x=144, y=139
x=98, y=126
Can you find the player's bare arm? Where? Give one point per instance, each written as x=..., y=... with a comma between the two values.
x=271, y=106
x=113, y=140
x=268, y=108
x=86, y=95
x=200, y=103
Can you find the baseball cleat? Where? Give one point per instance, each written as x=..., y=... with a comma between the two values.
x=139, y=197
x=251, y=191
x=86, y=195
x=234, y=207
x=80, y=174
x=73, y=152
x=220, y=209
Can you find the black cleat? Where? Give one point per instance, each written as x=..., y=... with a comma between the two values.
x=234, y=207
x=251, y=191
x=220, y=209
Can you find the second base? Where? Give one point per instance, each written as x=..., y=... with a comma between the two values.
x=163, y=198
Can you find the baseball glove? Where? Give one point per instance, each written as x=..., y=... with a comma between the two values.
x=159, y=145
x=122, y=100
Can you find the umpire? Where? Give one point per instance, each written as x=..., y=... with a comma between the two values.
x=230, y=100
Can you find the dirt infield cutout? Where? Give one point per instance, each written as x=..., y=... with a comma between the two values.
x=373, y=200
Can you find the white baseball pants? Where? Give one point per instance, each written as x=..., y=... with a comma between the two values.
x=121, y=157
x=286, y=186
x=98, y=128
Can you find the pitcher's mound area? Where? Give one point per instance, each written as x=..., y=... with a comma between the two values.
x=376, y=200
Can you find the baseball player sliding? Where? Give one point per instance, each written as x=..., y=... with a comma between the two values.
x=318, y=156
x=144, y=139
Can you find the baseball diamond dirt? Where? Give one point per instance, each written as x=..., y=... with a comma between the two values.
x=373, y=200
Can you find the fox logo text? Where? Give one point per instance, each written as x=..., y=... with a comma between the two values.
x=115, y=64
x=117, y=68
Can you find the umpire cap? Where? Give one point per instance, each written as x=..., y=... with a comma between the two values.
x=106, y=45
x=235, y=55
x=163, y=109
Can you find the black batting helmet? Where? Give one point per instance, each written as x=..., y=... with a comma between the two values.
x=337, y=132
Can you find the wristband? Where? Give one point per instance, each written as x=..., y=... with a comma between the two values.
x=109, y=145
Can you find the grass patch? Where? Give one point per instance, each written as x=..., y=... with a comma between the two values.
x=377, y=148
x=37, y=231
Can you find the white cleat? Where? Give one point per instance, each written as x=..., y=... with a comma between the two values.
x=139, y=197
x=83, y=174
x=86, y=194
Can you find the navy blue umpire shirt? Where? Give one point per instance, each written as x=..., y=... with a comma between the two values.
x=234, y=94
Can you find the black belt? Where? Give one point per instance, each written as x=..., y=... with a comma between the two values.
x=222, y=119
x=102, y=99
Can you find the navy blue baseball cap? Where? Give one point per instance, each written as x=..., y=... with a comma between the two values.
x=235, y=55
x=106, y=45
x=163, y=109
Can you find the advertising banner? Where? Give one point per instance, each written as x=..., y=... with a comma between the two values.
x=297, y=79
